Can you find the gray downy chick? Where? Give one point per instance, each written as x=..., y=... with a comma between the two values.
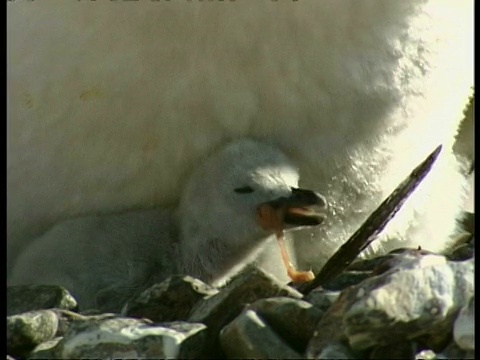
x=104, y=260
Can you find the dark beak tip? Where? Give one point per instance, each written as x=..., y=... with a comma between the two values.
x=322, y=201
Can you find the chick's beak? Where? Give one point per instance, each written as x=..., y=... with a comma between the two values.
x=301, y=208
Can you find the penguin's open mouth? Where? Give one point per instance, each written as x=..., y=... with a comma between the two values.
x=301, y=208
x=304, y=216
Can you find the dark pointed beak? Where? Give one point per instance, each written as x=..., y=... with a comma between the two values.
x=301, y=208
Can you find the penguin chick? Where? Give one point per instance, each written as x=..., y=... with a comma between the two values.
x=105, y=260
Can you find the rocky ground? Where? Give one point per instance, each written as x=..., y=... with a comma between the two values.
x=409, y=304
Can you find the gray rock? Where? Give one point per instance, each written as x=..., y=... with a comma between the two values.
x=45, y=350
x=92, y=312
x=346, y=279
x=394, y=350
x=426, y=355
x=407, y=303
x=247, y=287
x=464, y=326
x=412, y=298
x=403, y=258
x=464, y=249
x=248, y=336
x=329, y=336
x=25, y=331
x=439, y=337
x=368, y=264
x=25, y=298
x=452, y=351
x=418, y=296
x=171, y=300
x=336, y=350
x=462, y=252
x=322, y=298
x=409, y=252
x=66, y=318
x=131, y=338
x=292, y=319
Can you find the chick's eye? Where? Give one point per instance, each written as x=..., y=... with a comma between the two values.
x=244, y=190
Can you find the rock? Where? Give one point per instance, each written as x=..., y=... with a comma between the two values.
x=368, y=264
x=406, y=258
x=336, y=350
x=464, y=326
x=408, y=252
x=426, y=355
x=418, y=306
x=66, y=318
x=247, y=287
x=346, y=279
x=132, y=338
x=329, y=336
x=25, y=331
x=45, y=350
x=440, y=336
x=330, y=331
x=462, y=252
x=385, y=307
x=416, y=296
x=452, y=351
x=25, y=298
x=394, y=350
x=170, y=300
x=464, y=249
x=92, y=312
x=292, y=319
x=248, y=336
x=322, y=298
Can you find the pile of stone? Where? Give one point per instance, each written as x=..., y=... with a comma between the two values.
x=409, y=304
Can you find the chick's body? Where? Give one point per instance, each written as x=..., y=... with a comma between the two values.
x=105, y=260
